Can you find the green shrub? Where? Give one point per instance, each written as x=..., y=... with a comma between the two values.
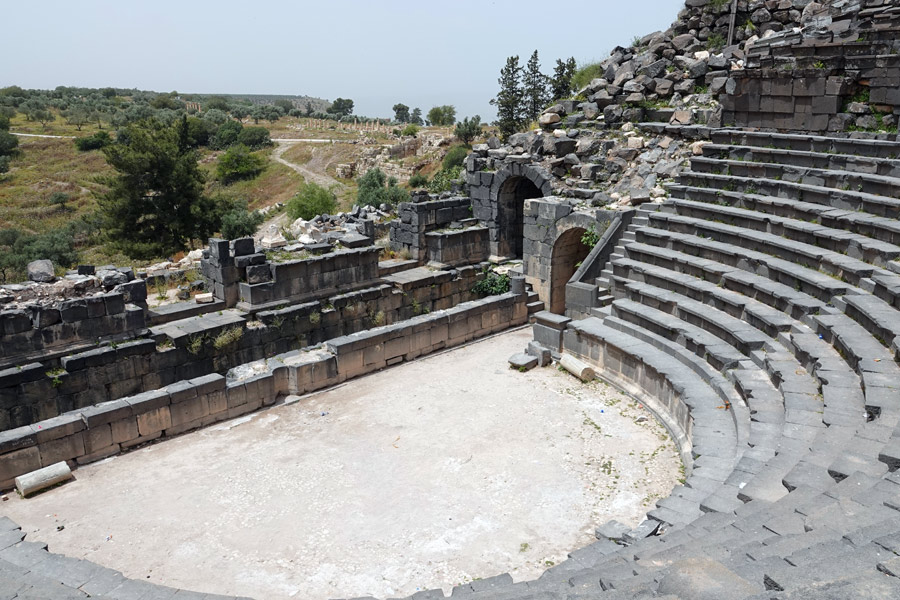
x=715, y=42
x=376, y=188
x=443, y=179
x=492, y=284
x=99, y=140
x=254, y=137
x=59, y=200
x=238, y=222
x=418, y=181
x=312, y=200
x=17, y=249
x=227, y=135
x=590, y=237
x=585, y=74
x=239, y=163
x=455, y=157
x=411, y=129
x=4, y=164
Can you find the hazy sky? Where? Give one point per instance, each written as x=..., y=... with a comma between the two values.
x=422, y=53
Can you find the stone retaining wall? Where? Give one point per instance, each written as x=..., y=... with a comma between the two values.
x=45, y=389
x=44, y=328
x=99, y=431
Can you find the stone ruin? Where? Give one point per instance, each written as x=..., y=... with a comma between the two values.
x=744, y=286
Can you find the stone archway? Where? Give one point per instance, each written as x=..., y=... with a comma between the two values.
x=510, y=189
x=510, y=207
x=568, y=253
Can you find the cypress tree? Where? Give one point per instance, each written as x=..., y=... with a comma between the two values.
x=561, y=82
x=535, y=87
x=510, y=100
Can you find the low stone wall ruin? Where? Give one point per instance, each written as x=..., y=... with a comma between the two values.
x=30, y=332
x=419, y=218
x=457, y=247
x=242, y=277
x=196, y=347
x=102, y=430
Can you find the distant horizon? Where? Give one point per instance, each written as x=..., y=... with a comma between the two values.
x=408, y=52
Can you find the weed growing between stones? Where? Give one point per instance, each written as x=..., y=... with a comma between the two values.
x=227, y=337
x=195, y=343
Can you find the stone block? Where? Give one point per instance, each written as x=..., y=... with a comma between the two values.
x=97, y=438
x=154, y=421
x=124, y=430
x=106, y=412
x=188, y=411
x=217, y=402
x=67, y=448
x=540, y=352
x=244, y=246
x=18, y=462
x=522, y=361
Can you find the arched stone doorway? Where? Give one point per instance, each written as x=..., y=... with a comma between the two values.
x=511, y=187
x=510, y=206
x=568, y=253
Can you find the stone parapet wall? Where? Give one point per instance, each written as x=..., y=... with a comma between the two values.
x=818, y=100
x=272, y=283
x=458, y=247
x=31, y=332
x=201, y=345
x=418, y=218
x=103, y=430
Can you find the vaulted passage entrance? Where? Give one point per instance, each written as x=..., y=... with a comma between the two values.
x=568, y=253
x=510, y=205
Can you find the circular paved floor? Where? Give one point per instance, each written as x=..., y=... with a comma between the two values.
x=426, y=475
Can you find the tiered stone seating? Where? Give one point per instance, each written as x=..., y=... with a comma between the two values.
x=771, y=274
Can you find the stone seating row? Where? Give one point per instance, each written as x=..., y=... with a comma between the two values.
x=797, y=333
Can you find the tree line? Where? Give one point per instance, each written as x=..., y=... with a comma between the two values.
x=525, y=91
x=439, y=116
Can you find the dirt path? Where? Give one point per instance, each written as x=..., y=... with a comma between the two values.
x=41, y=135
x=320, y=178
x=429, y=474
x=316, y=174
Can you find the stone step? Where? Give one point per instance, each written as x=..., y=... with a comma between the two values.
x=605, y=299
x=853, y=245
x=879, y=185
x=870, y=278
x=835, y=198
x=534, y=307
x=779, y=296
x=877, y=228
x=725, y=257
x=832, y=263
x=816, y=160
x=718, y=353
x=808, y=143
x=712, y=432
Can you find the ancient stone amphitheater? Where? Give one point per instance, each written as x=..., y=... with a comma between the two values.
x=753, y=306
